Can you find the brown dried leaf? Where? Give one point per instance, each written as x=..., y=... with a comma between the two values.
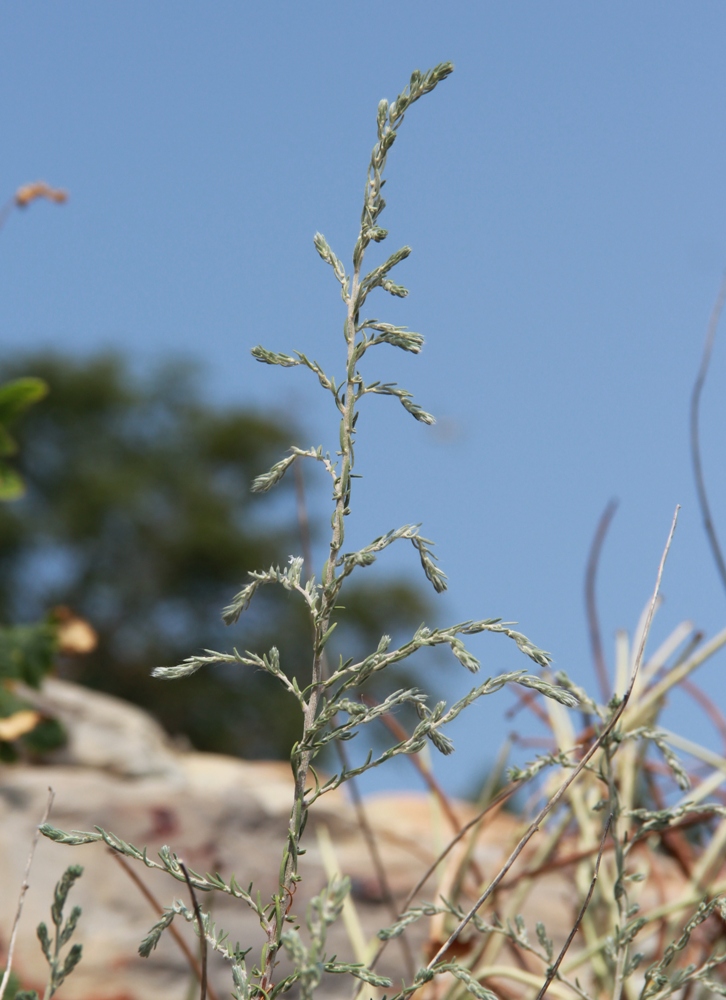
x=75, y=635
x=18, y=724
x=39, y=189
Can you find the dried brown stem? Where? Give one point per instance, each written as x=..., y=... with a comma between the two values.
x=527, y=699
x=395, y=727
x=695, y=432
x=23, y=891
x=5, y=210
x=377, y=860
x=707, y=704
x=159, y=910
x=558, y=795
x=570, y=937
x=202, y=935
x=498, y=800
x=554, y=864
x=593, y=621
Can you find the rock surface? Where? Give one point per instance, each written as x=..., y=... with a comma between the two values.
x=121, y=772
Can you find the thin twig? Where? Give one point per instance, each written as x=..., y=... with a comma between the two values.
x=23, y=890
x=533, y=742
x=593, y=561
x=558, y=795
x=526, y=699
x=399, y=731
x=553, y=865
x=505, y=794
x=202, y=934
x=708, y=705
x=5, y=211
x=570, y=937
x=379, y=867
x=695, y=434
x=159, y=910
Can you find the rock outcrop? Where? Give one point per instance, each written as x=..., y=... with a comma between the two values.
x=120, y=771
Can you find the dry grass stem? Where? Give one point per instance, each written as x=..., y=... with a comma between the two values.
x=159, y=911
x=696, y=434
x=23, y=891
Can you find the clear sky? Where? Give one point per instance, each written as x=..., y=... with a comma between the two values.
x=564, y=196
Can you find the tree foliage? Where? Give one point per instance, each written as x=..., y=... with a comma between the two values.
x=138, y=515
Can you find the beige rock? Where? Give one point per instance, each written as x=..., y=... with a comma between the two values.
x=105, y=733
x=225, y=815
x=120, y=772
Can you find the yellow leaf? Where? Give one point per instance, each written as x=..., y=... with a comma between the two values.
x=75, y=635
x=18, y=724
x=39, y=189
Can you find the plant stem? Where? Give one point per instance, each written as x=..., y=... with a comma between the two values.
x=303, y=757
x=159, y=910
x=23, y=890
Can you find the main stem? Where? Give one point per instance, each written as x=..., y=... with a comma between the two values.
x=302, y=757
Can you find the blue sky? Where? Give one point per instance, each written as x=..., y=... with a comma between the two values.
x=564, y=196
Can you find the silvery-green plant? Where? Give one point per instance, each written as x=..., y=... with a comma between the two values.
x=329, y=704
x=59, y=966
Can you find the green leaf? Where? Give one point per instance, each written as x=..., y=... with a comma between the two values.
x=360, y=972
x=153, y=937
x=12, y=486
x=43, y=937
x=48, y=734
x=72, y=959
x=70, y=926
x=18, y=395
x=269, y=479
x=62, y=889
x=324, y=638
x=27, y=652
x=321, y=245
x=273, y=358
x=73, y=839
x=8, y=445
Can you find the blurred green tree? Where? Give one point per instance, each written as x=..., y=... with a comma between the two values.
x=138, y=516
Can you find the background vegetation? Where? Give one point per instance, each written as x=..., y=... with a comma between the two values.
x=138, y=516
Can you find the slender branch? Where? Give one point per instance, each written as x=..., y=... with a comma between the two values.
x=502, y=797
x=526, y=699
x=5, y=211
x=23, y=891
x=202, y=934
x=590, y=602
x=159, y=910
x=558, y=795
x=695, y=431
x=710, y=708
x=570, y=937
x=377, y=860
x=553, y=865
x=395, y=727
